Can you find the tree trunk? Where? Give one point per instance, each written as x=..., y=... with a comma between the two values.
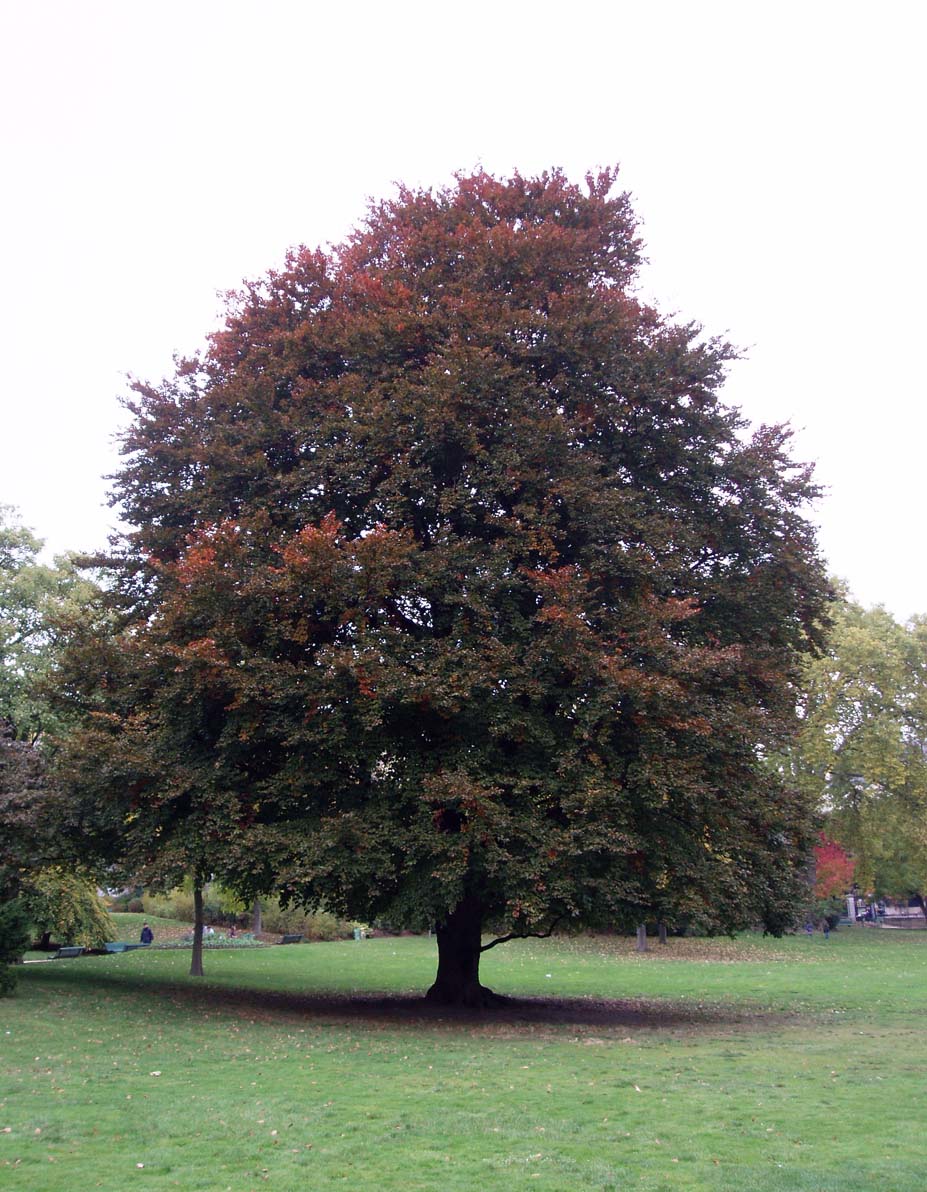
x=662, y=930
x=920, y=902
x=642, y=937
x=196, y=962
x=458, y=979
x=257, y=925
x=45, y=942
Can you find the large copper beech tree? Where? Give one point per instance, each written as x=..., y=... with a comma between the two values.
x=455, y=595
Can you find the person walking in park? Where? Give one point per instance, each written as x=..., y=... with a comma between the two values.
x=147, y=934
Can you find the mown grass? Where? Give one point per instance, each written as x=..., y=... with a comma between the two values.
x=129, y=927
x=770, y=1065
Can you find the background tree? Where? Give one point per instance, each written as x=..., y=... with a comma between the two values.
x=480, y=605
x=834, y=869
x=23, y=795
x=37, y=826
x=61, y=906
x=862, y=750
x=834, y=873
x=14, y=940
x=33, y=597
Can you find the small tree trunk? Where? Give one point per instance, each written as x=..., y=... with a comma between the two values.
x=196, y=962
x=661, y=927
x=920, y=902
x=457, y=982
x=256, y=917
x=642, y=937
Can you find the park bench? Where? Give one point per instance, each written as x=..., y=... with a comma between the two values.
x=68, y=953
x=292, y=939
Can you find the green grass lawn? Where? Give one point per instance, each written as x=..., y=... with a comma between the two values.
x=751, y=1064
x=129, y=927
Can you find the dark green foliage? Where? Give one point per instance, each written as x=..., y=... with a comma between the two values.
x=14, y=940
x=24, y=810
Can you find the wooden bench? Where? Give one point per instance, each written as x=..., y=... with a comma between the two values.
x=68, y=953
x=292, y=939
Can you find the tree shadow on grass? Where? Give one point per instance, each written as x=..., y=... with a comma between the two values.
x=510, y=1014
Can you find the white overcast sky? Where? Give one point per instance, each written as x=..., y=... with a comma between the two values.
x=154, y=154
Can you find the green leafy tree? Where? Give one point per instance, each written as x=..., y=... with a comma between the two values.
x=455, y=595
x=24, y=586
x=34, y=598
x=37, y=825
x=862, y=750
x=62, y=906
x=38, y=830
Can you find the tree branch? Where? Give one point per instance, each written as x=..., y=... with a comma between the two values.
x=522, y=935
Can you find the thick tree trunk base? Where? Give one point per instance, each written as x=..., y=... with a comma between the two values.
x=469, y=996
x=457, y=982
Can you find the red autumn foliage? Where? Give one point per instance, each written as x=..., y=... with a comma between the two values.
x=833, y=868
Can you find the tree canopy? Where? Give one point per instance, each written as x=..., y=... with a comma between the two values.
x=38, y=604
x=35, y=600
x=862, y=749
x=453, y=593
x=34, y=597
